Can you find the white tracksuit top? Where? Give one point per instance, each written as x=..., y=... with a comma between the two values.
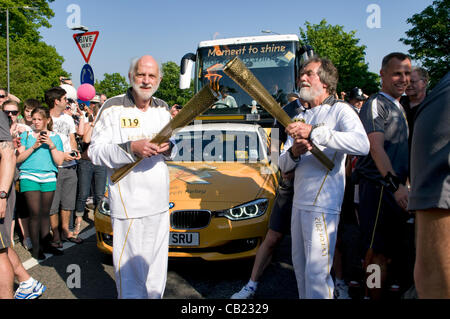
x=316, y=189
x=145, y=190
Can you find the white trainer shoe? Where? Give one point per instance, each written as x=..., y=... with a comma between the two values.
x=246, y=292
x=30, y=291
x=341, y=291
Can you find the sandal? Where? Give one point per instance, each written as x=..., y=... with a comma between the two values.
x=56, y=244
x=77, y=229
x=75, y=240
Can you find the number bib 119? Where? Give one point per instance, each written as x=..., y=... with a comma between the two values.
x=129, y=123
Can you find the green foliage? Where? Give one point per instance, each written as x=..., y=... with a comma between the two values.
x=429, y=39
x=34, y=65
x=342, y=49
x=112, y=85
x=169, y=89
x=25, y=22
x=33, y=68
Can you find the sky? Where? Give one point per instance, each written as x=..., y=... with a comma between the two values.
x=168, y=29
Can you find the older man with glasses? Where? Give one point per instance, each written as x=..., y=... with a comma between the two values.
x=415, y=94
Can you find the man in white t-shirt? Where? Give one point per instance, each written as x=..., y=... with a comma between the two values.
x=66, y=187
x=140, y=201
x=335, y=128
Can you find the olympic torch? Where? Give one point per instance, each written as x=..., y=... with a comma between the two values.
x=240, y=74
x=199, y=103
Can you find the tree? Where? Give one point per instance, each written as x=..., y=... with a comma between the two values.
x=168, y=88
x=343, y=50
x=429, y=40
x=33, y=68
x=34, y=65
x=112, y=85
x=25, y=22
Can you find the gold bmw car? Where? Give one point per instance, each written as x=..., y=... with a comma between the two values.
x=222, y=189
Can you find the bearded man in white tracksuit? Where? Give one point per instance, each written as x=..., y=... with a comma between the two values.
x=334, y=127
x=140, y=201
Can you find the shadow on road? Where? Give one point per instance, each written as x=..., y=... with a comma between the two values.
x=93, y=281
x=219, y=280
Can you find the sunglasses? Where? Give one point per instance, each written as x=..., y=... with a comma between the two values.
x=2, y=96
x=11, y=112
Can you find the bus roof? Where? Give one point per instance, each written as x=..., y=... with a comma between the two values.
x=251, y=39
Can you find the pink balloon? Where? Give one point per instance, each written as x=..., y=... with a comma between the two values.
x=86, y=92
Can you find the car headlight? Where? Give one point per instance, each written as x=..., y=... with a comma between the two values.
x=103, y=208
x=248, y=210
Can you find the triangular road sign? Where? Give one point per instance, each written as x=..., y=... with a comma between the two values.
x=86, y=42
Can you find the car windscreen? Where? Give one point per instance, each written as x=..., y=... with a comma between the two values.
x=218, y=146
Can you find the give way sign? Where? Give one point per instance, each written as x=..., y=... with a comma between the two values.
x=86, y=42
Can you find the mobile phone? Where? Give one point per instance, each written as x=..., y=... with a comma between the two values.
x=43, y=133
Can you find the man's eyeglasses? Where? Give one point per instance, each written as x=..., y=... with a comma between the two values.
x=2, y=96
x=11, y=112
x=414, y=82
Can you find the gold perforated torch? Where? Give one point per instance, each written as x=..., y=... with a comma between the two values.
x=240, y=74
x=199, y=103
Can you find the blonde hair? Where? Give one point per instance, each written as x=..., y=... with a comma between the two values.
x=45, y=113
x=10, y=102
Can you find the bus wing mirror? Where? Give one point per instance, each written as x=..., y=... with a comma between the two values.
x=187, y=62
x=306, y=52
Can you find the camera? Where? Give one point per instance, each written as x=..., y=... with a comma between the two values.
x=64, y=80
x=179, y=107
x=43, y=133
x=82, y=106
x=73, y=153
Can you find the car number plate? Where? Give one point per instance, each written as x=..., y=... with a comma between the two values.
x=184, y=239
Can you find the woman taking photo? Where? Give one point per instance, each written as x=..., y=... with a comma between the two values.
x=11, y=109
x=40, y=154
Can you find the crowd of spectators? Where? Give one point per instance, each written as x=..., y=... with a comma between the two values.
x=55, y=178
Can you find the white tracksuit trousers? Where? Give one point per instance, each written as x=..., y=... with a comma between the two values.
x=140, y=256
x=313, y=243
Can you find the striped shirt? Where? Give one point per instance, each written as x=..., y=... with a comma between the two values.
x=39, y=166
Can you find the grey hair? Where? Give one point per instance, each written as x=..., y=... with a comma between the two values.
x=423, y=74
x=327, y=72
x=133, y=67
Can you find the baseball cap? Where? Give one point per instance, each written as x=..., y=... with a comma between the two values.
x=96, y=99
x=356, y=93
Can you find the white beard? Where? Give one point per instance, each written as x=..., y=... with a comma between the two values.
x=309, y=94
x=145, y=95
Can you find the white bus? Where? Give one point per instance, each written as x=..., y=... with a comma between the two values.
x=273, y=59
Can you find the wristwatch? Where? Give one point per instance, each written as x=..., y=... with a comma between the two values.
x=391, y=182
x=295, y=159
x=3, y=194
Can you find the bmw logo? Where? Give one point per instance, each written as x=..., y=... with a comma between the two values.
x=171, y=205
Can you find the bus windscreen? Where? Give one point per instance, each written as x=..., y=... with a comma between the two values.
x=273, y=63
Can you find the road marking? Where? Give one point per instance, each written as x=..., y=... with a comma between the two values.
x=30, y=263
